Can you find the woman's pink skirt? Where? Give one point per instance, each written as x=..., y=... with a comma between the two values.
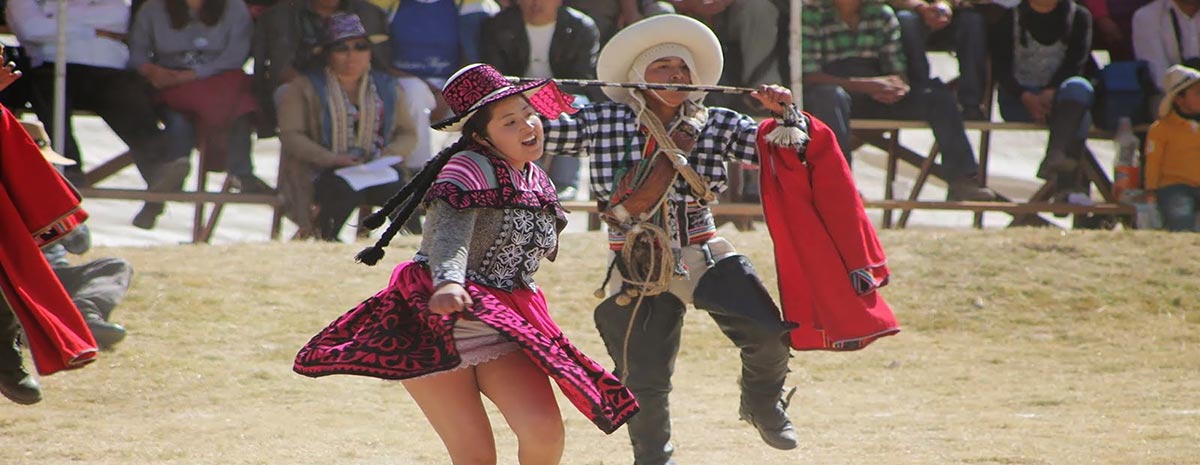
x=394, y=335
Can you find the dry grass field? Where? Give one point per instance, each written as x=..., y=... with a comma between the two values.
x=1019, y=347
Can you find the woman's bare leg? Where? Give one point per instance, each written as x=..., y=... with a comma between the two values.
x=522, y=393
x=453, y=406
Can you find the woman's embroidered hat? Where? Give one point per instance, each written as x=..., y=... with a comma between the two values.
x=345, y=26
x=478, y=85
x=1177, y=79
x=38, y=133
x=658, y=37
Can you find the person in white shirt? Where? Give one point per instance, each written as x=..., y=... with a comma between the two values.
x=97, y=81
x=544, y=39
x=1165, y=33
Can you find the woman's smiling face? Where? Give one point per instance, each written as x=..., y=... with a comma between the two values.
x=514, y=131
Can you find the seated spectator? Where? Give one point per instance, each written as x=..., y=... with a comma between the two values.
x=343, y=115
x=192, y=52
x=429, y=39
x=98, y=81
x=284, y=37
x=544, y=39
x=750, y=24
x=96, y=287
x=611, y=16
x=949, y=26
x=1173, y=150
x=1165, y=33
x=1040, y=50
x=425, y=39
x=853, y=62
x=1112, y=26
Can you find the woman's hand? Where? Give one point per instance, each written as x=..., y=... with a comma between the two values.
x=1033, y=105
x=450, y=298
x=162, y=78
x=773, y=97
x=937, y=15
x=9, y=73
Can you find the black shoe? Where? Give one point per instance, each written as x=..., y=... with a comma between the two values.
x=106, y=334
x=968, y=189
x=1054, y=164
x=20, y=387
x=147, y=217
x=772, y=422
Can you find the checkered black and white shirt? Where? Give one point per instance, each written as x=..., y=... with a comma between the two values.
x=608, y=133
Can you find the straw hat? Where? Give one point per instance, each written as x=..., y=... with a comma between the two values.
x=478, y=85
x=1177, y=79
x=662, y=33
x=38, y=133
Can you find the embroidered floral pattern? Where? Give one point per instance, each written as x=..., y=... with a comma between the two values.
x=515, y=256
x=394, y=335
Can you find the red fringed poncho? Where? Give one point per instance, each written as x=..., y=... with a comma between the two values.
x=38, y=207
x=829, y=261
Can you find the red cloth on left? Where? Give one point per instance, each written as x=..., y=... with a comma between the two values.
x=829, y=260
x=37, y=208
x=213, y=104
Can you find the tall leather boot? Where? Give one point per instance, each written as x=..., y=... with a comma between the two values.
x=768, y=414
x=1064, y=125
x=15, y=383
x=645, y=364
x=739, y=303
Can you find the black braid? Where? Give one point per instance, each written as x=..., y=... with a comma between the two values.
x=375, y=220
x=409, y=197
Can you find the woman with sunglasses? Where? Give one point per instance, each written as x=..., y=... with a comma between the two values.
x=340, y=116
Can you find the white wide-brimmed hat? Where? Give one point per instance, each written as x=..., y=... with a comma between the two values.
x=1177, y=79
x=655, y=32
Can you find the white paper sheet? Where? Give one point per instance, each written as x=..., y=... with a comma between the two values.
x=372, y=173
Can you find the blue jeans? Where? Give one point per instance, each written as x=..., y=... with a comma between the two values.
x=181, y=138
x=1177, y=203
x=966, y=35
x=470, y=27
x=1075, y=89
x=933, y=103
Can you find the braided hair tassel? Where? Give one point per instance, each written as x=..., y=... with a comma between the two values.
x=407, y=200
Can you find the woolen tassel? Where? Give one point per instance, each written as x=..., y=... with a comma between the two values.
x=789, y=133
x=370, y=255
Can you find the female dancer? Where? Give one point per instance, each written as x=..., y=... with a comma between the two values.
x=464, y=316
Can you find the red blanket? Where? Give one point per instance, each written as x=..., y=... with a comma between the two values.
x=37, y=207
x=213, y=104
x=829, y=260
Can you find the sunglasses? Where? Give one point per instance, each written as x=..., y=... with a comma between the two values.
x=346, y=47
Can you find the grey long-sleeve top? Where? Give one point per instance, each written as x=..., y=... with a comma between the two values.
x=207, y=50
x=495, y=247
